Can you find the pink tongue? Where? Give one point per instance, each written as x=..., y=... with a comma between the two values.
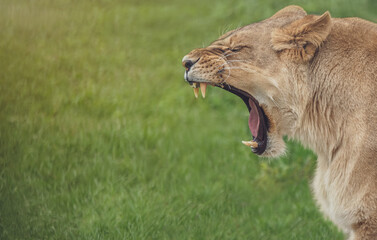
x=253, y=119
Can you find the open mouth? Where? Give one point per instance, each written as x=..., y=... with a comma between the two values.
x=258, y=121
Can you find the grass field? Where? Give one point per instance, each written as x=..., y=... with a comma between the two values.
x=100, y=137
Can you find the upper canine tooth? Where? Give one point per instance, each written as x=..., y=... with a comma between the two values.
x=203, y=87
x=196, y=92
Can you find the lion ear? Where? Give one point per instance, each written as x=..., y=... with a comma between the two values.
x=299, y=40
x=289, y=11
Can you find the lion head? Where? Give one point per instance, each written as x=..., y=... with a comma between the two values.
x=258, y=62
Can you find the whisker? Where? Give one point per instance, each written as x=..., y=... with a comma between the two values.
x=230, y=54
x=241, y=68
x=231, y=61
x=223, y=58
x=227, y=77
x=237, y=61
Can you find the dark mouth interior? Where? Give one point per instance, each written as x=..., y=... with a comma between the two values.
x=258, y=121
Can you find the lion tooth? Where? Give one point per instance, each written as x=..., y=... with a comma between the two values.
x=250, y=144
x=203, y=87
x=196, y=92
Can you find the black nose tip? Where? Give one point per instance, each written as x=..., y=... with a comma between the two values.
x=187, y=64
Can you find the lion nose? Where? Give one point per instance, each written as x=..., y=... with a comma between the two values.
x=188, y=63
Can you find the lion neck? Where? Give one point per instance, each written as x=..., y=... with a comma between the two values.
x=318, y=119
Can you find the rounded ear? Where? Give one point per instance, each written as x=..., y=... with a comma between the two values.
x=290, y=10
x=300, y=40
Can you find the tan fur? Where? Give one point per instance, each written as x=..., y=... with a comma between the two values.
x=316, y=79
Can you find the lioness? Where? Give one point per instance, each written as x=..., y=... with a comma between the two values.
x=312, y=78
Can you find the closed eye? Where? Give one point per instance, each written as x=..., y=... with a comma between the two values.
x=237, y=48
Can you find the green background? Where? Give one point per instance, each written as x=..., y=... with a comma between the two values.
x=101, y=138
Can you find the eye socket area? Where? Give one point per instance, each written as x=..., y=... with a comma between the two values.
x=226, y=49
x=236, y=48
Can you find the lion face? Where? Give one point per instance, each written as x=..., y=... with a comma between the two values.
x=252, y=62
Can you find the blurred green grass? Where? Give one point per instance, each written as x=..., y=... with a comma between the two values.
x=100, y=138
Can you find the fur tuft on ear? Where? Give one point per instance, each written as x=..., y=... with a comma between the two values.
x=300, y=40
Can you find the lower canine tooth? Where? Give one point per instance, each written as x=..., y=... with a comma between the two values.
x=250, y=144
x=196, y=92
x=203, y=87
